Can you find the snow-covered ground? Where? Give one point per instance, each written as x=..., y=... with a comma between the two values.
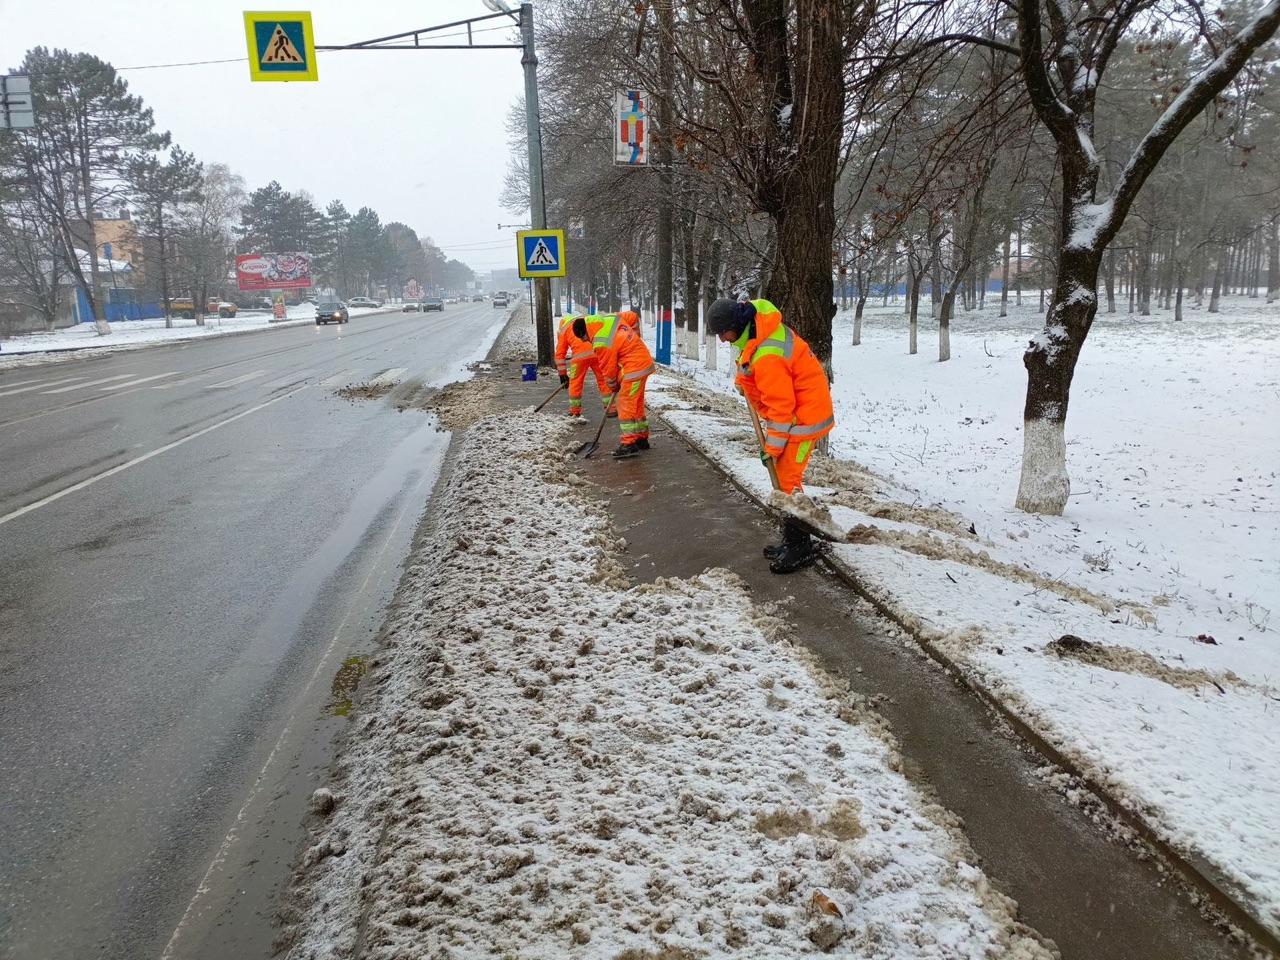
x=554, y=762
x=70, y=342
x=1166, y=564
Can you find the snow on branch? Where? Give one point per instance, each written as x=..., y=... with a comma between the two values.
x=1211, y=81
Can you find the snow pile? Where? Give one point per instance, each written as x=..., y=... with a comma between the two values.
x=129, y=334
x=552, y=762
x=1167, y=563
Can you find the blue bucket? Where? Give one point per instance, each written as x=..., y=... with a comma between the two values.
x=528, y=371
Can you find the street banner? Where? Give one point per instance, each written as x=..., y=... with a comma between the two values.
x=631, y=121
x=273, y=271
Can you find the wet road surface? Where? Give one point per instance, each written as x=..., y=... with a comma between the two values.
x=192, y=538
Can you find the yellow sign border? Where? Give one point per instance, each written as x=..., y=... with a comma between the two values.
x=564, y=259
x=256, y=72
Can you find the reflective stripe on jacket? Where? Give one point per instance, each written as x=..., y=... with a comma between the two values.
x=620, y=350
x=784, y=382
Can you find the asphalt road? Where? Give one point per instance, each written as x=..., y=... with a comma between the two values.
x=192, y=537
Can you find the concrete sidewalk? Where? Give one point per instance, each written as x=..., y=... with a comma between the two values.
x=1095, y=896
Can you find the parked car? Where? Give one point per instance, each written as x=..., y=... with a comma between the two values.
x=500, y=300
x=363, y=302
x=262, y=303
x=432, y=303
x=332, y=311
x=477, y=298
x=186, y=307
x=410, y=306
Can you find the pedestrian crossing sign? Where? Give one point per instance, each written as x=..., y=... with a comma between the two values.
x=282, y=45
x=540, y=253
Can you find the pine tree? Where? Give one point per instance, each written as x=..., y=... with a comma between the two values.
x=158, y=189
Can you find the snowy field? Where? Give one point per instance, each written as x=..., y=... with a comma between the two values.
x=553, y=762
x=125, y=335
x=1140, y=632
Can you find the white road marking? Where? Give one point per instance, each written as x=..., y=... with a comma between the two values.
x=238, y=380
x=121, y=467
x=233, y=834
x=140, y=381
x=390, y=376
x=39, y=384
x=337, y=378
x=177, y=383
x=91, y=383
x=289, y=378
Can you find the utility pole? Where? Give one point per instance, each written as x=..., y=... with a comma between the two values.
x=537, y=197
x=666, y=73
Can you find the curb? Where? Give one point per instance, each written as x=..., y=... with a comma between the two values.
x=1196, y=873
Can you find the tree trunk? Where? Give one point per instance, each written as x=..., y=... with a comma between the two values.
x=1004, y=276
x=1177, y=305
x=944, y=325
x=913, y=300
x=709, y=289
x=1111, y=280
x=1017, y=283
x=1050, y=360
x=1144, y=272
x=164, y=272
x=1273, y=262
x=857, y=317
x=1216, y=293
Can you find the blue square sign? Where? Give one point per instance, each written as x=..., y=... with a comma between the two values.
x=540, y=253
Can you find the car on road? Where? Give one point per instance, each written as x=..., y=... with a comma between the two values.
x=364, y=302
x=332, y=311
x=411, y=306
x=500, y=299
x=262, y=303
x=432, y=303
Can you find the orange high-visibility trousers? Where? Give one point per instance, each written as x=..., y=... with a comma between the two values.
x=631, y=416
x=577, y=380
x=792, y=463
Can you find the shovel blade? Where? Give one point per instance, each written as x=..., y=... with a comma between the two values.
x=585, y=451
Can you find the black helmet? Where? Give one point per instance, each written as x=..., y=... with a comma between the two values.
x=729, y=315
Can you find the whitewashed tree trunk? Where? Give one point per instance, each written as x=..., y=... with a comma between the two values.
x=1045, y=485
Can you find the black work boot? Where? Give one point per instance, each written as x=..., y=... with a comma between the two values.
x=626, y=450
x=774, y=550
x=642, y=443
x=797, y=550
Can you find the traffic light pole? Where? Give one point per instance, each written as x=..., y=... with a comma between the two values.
x=413, y=40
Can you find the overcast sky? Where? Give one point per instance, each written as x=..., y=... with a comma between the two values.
x=417, y=136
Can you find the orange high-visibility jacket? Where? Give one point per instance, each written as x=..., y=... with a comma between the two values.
x=784, y=382
x=630, y=318
x=568, y=347
x=619, y=351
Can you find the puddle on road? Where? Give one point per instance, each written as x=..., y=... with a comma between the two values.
x=344, y=685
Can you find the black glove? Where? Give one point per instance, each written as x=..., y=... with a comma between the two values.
x=564, y=379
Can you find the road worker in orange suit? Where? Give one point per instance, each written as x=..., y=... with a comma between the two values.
x=630, y=318
x=788, y=389
x=625, y=363
x=574, y=359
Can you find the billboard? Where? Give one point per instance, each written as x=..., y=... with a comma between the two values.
x=273, y=271
x=631, y=120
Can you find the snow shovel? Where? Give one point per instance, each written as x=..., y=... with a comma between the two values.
x=832, y=534
x=587, y=449
x=550, y=397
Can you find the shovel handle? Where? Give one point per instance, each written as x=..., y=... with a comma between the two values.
x=769, y=463
x=549, y=398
